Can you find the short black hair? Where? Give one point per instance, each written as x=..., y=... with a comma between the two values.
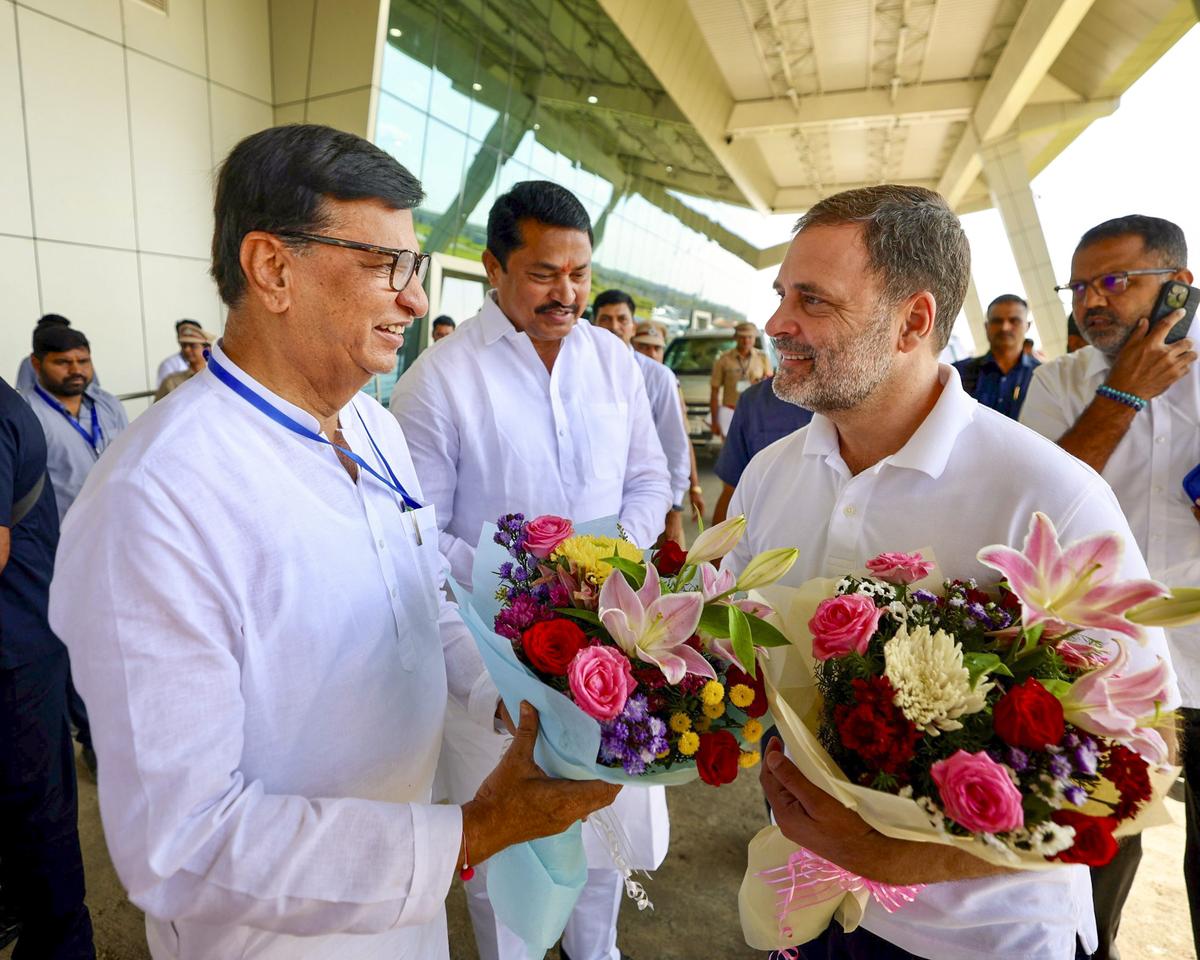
x=610, y=297
x=539, y=200
x=55, y=338
x=49, y=320
x=180, y=323
x=445, y=320
x=1006, y=298
x=277, y=179
x=1158, y=236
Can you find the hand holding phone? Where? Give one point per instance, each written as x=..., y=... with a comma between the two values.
x=1175, y=295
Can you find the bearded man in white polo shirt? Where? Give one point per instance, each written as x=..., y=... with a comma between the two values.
x=899, y=457
x=1128, y=405
x=526, y=410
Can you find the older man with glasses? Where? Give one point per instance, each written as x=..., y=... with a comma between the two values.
x=250, y=591
x=1128, y=405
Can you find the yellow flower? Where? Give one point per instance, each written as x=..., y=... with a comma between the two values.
x=712, y=693
x=741, y=695
x=748, y=759
x=702, y=725
x=681, y=722
x=689, y=743
x=586, y=555
x=752, y=732
x=713, y=710
x=662, y=756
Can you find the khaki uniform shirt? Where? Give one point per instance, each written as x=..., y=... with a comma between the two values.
x=734, y=373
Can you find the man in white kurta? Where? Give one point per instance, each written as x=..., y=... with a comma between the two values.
x=938, y=473
x=255, y=617
x=526, y=410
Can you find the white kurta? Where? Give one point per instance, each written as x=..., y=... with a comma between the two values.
x=172, y=364
x=492, y=432
x=1146, y=472
x=968, y=478
x=265, y=655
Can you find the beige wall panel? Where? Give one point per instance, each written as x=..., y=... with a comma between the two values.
x=174, y=288
x=292, y=113
x=81, y=183
x=14, y=172
x=346, y=111
x=98, y=16
x=344, y=51
x=235, y=116
x=291, y=31
x=176, y=37
x=172, y=157
x=18, y=280
x=239, y=46
x=98, y=291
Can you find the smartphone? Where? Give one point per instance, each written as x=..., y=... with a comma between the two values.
x=1175, y=294
x=1191, y=485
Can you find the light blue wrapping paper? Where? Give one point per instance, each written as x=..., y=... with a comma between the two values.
x=533, y=886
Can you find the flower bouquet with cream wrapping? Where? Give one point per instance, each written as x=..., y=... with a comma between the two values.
x=1006, y=722
x=642, y=669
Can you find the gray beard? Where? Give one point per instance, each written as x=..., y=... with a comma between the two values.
x=841, y=378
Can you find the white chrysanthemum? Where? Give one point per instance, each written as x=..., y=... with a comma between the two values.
x=1046, y=839
x=933, y=688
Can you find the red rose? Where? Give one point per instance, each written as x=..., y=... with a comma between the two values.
x=1094, y=842
x=735, y=675
x=1130, y=774
x=717, y=758
x=875, y=728
x=1029, y=716
x=551, y=645
x=669, y=559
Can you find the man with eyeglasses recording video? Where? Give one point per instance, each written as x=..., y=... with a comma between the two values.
x=1128, y=405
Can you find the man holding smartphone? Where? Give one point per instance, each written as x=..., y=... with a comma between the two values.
x=1128, y=405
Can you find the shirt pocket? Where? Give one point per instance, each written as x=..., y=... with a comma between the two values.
x=607, y=427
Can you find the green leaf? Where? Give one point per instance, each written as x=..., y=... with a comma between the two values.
x=743, y=639
x=981, y=664
x=585, y=615
x=765, y=635
x=1060, y=688
x=714, y=620
x=634, y=572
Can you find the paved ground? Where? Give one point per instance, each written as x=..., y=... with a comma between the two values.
x=695, y=891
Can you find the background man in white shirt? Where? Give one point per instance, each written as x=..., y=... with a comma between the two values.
x=1143, y=440
x=899, y=457
x=254, y=614
x=613, y=310
x=527, y=410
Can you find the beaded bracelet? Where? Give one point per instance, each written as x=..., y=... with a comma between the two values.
x=1129, y=399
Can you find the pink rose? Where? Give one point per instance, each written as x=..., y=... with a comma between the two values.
x=543, y=534
x=601, y=680
x=843, y=625
x=978, y=793
x=900, y=568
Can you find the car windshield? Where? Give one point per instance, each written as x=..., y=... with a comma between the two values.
x=696, y=354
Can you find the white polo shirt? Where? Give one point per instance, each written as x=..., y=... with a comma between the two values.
x=969, y=477
x=1145, y=471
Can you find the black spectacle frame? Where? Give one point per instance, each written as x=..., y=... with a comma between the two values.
x=1109, y=284
x=404, y=262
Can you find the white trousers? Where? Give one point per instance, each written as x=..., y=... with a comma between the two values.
x=591, y=932
x=724, y=419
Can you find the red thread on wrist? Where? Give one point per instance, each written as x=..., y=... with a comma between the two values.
x=467, y=872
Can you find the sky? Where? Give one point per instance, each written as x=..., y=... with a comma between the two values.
x=1141, y=159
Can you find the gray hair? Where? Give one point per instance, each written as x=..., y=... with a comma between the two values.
x=914, y=242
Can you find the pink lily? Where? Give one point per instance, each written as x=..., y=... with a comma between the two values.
x=654, y=626
x=1072, y=587
x=714, y=582
x=1112, y=702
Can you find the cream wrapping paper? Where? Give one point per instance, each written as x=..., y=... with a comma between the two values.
x=795, y=702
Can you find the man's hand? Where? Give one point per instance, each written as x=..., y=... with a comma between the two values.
x=810, y=817
x=1146, y=366
x=674, y=528
x=518, y=802
x=696, y=496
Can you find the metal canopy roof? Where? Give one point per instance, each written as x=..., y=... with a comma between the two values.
x=775, y=103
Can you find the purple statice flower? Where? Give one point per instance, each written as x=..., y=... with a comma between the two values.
x=1085, y=758
x=1060, y=767
x=519, y=574
x=924, y=596
x=634, y=738
x=515, y=619
x=506, y=570
x=1075, y=795
x=976, y=610
x=1017, y=759
x=1000, y=618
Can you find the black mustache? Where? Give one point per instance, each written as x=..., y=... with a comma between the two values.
x=555, y=305
x=802, y=350
x=1100, y=312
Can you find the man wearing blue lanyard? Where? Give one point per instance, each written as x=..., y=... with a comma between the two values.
x=249, y=588
x=80, y=419
x=1000, y=378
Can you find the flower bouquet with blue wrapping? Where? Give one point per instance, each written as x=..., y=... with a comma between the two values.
x=643, y=668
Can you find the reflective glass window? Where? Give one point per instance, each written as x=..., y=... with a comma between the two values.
x=443, y=165
x=401, y=131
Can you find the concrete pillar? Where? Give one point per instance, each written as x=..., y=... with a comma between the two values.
x=1004, y=167
x=976, y=318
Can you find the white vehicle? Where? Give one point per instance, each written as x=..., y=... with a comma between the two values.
x=691, y=357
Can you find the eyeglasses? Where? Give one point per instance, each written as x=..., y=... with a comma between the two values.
x=1109, y=284
x=405, y=263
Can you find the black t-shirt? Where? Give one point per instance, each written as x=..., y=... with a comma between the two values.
x=25, y=634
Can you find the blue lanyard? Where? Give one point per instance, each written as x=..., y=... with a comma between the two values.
x=93, y=439
x=263, y=406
